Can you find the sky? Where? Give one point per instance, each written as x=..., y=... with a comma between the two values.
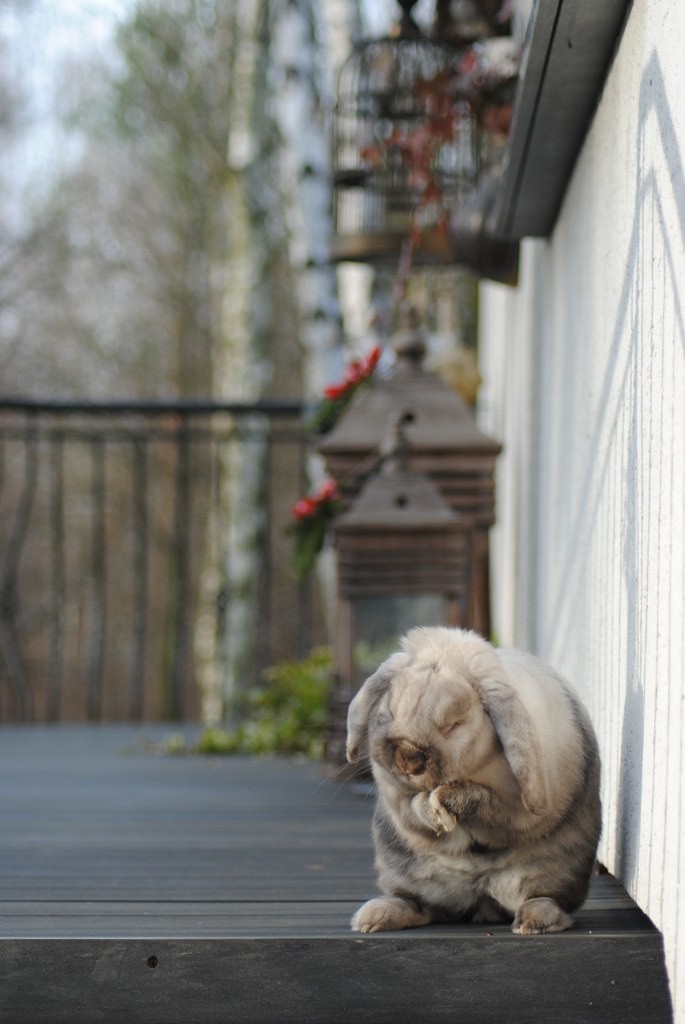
x=42, y=37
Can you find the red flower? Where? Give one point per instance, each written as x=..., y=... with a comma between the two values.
x=372, y=155
x=354, y=373
x=468, y=63
x=328, y=491
x=309, y=507
x=336, y=391
x=372, y=359
x=357, y=371
x=431, y=192
x=304, y=508
x=336, y=396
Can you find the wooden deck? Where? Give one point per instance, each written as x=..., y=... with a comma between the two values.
x=142, y=888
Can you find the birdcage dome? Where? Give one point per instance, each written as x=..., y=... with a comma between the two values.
x=404, y=146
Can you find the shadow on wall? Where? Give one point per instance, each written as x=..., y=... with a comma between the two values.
x=653, y=101
x=622, y=396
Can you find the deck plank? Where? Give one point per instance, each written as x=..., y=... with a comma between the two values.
x=239, y=878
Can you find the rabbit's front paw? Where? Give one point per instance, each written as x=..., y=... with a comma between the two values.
x=440, y=817
x=389, y=913
x=540, y=914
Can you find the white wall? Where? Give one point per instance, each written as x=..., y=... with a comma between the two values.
x=585, y=384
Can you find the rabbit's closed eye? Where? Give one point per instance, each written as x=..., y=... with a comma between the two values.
x=450, y=726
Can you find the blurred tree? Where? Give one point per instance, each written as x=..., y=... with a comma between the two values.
x=183, y=247
x=182, y=250
x=171, y=108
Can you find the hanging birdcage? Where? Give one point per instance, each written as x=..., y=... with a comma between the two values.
x=405, y=149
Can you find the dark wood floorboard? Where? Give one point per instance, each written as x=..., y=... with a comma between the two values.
x=91, y=815
x=237, y=878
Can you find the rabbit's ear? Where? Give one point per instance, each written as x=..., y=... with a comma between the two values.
x=519, y=738
x=363, y=704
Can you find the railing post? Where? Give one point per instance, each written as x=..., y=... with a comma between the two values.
x=9, y=584
x=96, y=654
x=140, y=569
x=57, y=596
x=181, y=576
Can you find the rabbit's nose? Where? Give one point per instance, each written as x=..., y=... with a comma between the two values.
x=409, y=759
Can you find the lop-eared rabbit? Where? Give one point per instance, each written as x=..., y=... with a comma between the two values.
x=487, y=774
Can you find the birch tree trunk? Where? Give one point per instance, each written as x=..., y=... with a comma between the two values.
x=282, y=327
x=301, y=101
x=223, y=639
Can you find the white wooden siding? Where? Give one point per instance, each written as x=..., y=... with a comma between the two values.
x=585, y=384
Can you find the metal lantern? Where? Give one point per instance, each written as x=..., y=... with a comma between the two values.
x=443, y=441
x=403, y=561
x=405, y=148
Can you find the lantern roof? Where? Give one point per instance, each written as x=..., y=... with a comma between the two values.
x=398, y=500
x=435, y=417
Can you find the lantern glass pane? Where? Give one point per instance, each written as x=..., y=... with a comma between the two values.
x=378, y=623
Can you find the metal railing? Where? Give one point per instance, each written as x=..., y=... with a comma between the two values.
x=144, y=562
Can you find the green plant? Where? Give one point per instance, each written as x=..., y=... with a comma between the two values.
x=286, y=715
